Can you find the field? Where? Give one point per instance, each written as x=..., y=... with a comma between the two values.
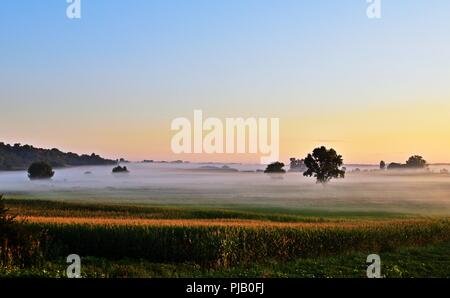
x=125, y=240
x=164, y=220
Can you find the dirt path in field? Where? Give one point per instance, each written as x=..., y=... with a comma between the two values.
x=211, y=222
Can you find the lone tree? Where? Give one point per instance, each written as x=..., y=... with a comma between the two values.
x=40, y=170
x=382, y=165
x=324, y=165
x=416, y=162
x=276, y=167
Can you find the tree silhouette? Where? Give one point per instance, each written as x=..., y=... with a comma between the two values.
x=324, y=165
x=19, y=157
x=297, y=165
x=395, y=166
x=416, y=161
x=382, y=165
x=120, y=169
x=276, y=167
x=40, y=170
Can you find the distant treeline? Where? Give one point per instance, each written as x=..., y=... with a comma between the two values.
x=414, y=162
x=18, y=157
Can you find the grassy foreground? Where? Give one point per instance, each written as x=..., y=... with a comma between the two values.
x=138, y=241
x=421, y=262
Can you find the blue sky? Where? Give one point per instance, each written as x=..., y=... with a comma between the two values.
x=145, y=62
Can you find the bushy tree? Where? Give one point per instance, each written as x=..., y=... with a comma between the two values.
x=40, y=170
x=324, y=165
x=382, y=165
x=416, y=162
x=276, y=167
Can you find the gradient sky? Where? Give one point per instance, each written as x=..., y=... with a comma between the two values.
x=112, y=82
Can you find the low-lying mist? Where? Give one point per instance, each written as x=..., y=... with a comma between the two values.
x=368, y=190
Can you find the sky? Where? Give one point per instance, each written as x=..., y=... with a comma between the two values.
x=113, y=81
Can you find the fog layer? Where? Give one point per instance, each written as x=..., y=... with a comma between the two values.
x=184, y=184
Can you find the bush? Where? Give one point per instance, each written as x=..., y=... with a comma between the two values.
x=40, y=170
x=276, y=167
x=120, y=169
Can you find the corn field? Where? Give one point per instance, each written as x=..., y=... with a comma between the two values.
x=226, y=246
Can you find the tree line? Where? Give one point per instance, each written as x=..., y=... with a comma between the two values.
x=325, y=164
x=20, y=157
x=414, y=162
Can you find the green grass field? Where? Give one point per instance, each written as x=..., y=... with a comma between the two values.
x=155, y=241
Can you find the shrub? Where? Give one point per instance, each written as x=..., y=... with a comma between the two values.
x=276, y=167
x=120, y=169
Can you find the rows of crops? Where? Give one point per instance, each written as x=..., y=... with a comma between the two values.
x=229, y=246
x=96, y=210
x=77, y=209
